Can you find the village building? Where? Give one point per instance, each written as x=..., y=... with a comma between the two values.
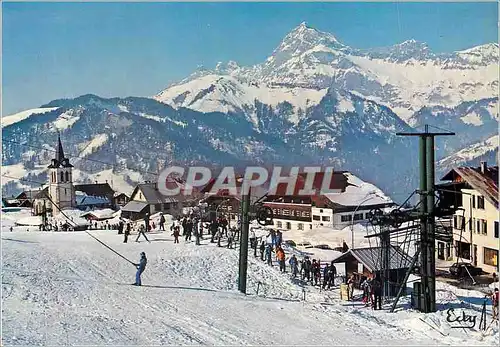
x=147, y=199
x=120, y=199
x=367, y=262
x=475, y=222
x=348, y=203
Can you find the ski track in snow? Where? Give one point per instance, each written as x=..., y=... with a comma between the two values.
x=66, y=288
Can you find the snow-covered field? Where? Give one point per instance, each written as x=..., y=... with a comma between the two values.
x=65, y=288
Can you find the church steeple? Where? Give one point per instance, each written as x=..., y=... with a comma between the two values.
x=61, y=188
x=60, y=151
x=60, y=160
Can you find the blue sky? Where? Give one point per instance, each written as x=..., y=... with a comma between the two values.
x=56, y=50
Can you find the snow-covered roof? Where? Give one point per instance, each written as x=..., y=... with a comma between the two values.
x=359, y=193
x=105, y=213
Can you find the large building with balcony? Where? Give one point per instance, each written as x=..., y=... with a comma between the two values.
x=350, y=201
x=475, y=222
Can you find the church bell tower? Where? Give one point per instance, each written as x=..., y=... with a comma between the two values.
x=61, y=188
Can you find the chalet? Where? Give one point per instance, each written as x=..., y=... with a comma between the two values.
x=99, y=191
x=120, y=199
x=368, y=262
x=475, y=220
x=146, y=198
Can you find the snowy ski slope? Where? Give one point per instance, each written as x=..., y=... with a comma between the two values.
x=64, y=288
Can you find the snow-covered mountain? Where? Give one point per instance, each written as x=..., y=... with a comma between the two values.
x=405, y=77
x=130, y=140
x=486, y=150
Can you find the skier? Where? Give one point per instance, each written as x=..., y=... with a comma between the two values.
x=224, y=223
x=146, y=221
x=316, y=272
x=262, y=250
x=141, y=232
x=268, y=255
x=188, y=229
x=253, y=239
x=176, y=232
x=120, y=227
x=305, y=268
x=140, y=269
x=184, y=222
x=196, y=231
x=230, y=237
x=326, y=276
x=127, y=233
x=367, y=288
x=162, y=222
x=279, y=238
x=294, y=265
x=280, y=255
x=494, y=299
x=332, y=273
x=213, y=230
x=350, y=288
x=377, y=293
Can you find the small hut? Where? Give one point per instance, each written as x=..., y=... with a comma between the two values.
x=364, y=262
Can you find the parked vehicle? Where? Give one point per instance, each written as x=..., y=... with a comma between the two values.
x=322, y=247
x=460, y=270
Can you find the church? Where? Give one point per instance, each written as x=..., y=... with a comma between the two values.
x=61, y=193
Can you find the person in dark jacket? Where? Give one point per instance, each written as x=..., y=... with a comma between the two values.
x=176, y=232
x=213, y=230
x=141, y=232
x=332, y=273
x=377, y=293
x=120, y=227
x=127, y=233
x=162, y=222
x=326, y=277
x=188, y=229
x=146, y=221
x=294, y=265
x=140, y=269
x=262, y=250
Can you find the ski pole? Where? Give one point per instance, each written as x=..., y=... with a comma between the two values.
x=111, y=249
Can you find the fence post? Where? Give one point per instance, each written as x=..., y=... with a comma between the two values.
x=258, y=286
x=303, y=294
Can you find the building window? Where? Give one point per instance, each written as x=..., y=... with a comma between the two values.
x=490, y=256
x=140, y=195
x=300, y=226
x=358, y=216
x=473, y=201
x=67, y=176
x=286, y=212
x=307, y=214
x=485, y=227
x=157, y=207
x=478, y=226
x=279, y=225
x=62, y=176
x=325, y=218
x=346, y=218
x=455, y=223
x=288, y=225
x=470, y=224
x=480, y=202
x=310, y=226
x=320, y=211
x=316, y=217
x=496, y=229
